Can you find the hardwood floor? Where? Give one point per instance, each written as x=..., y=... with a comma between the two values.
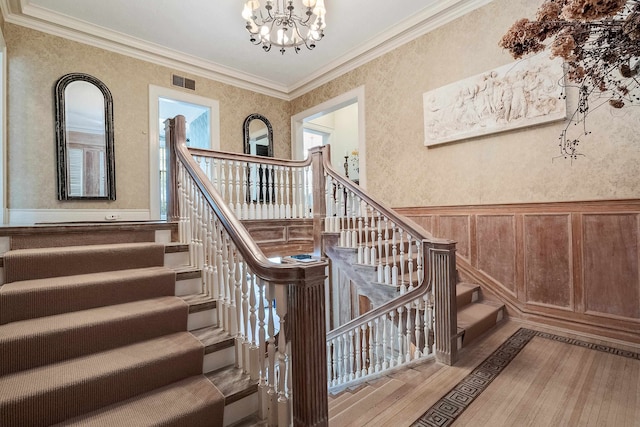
x=547, y=384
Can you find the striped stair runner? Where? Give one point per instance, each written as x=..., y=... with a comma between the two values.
x=94, y=336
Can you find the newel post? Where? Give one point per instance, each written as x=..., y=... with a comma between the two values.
x=442, y=268
x=319, y=197
x=306, y=318
x=175, y=132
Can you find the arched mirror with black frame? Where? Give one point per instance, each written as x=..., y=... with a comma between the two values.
x=84, y=138
x=258, y=141
x=258, y=135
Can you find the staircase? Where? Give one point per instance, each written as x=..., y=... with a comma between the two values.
x=107, y=324
x=475, y=315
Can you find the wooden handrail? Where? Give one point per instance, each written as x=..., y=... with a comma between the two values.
x=248, y=158
x=398, y=219
x=251, y=252
x=301, y=286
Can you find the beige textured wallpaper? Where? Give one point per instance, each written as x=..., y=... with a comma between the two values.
x=512, y=167
x=37, y=60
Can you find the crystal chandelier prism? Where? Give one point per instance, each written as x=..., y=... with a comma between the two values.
x=278, y=25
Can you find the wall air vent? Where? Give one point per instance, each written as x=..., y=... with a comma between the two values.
x=183, y=82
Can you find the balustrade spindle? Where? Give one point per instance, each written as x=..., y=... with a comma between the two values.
x=244, y=288
x=377, y=344
x=225, y=282
x=428, y=321
x=236, y=296
x=271, y=202
x=410, y=263
x=281, y=208
x=283, y=403
x=358, y=355
x=403, y=283
x=262, y=344
x=217, y=239
x=351, y=356
x=363, y=350
x=408, y=331
x=400, y=335
x=385, y=341
x=418, y=327
x=394, y=254
x=334, y=358
x=392, y=339
x=254, y=363
x=345, y=349
x=371, y=355
x=271, y=355
x=380, y=267
x=387, y=265
x=245, y=196
x=366, y=251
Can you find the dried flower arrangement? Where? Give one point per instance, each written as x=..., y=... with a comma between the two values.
x=600, y=42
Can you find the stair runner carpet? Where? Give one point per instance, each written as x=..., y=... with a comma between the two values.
x=92, y=335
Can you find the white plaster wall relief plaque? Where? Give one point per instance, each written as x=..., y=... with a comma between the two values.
x=524, y=93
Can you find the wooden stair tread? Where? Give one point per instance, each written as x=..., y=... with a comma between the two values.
x=213, y=338
x=199, y=302
x=232, y=383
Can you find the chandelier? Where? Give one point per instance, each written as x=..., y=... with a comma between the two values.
x=278, y=25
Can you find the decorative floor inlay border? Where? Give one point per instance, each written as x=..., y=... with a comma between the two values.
x=448, y=408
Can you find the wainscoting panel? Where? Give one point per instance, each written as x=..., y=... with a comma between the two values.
x=496, y=242
x=457, y=226
x=547, y=259
x=611, y=264
x=571, y=264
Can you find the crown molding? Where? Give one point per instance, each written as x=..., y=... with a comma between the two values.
x=431, y=18
x=69, y=28
x=20, y=12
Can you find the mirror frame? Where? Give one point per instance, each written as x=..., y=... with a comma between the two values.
x=247, y=137
x=61, y=137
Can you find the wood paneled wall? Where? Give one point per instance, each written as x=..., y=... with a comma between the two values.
x=574, y=264
x=281, y=237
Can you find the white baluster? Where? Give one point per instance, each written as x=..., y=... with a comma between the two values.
x=352, y=368
x=392, y=339
x=376, y=344
x=400, y=335
x=358, y=353
x=287, y=188
x=380, y=267
x=263, y=386
x=372, y=362
x=283, y=202
x=271, y=355
x=403, y=283
x=283, y=401
x=410, y=262
x=385, y=341
x=363, y=346
x=408, y=332
x=254, y=363
x=387, y=264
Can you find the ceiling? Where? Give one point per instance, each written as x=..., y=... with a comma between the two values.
x=208, y=38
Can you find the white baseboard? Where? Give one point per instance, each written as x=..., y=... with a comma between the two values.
x=33, y=216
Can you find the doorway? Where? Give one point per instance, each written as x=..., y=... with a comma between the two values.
x=202, y=118
x=339, y=122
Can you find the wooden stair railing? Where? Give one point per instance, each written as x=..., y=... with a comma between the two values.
x=406, y=328
x=212, y=191
x=254, y=294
